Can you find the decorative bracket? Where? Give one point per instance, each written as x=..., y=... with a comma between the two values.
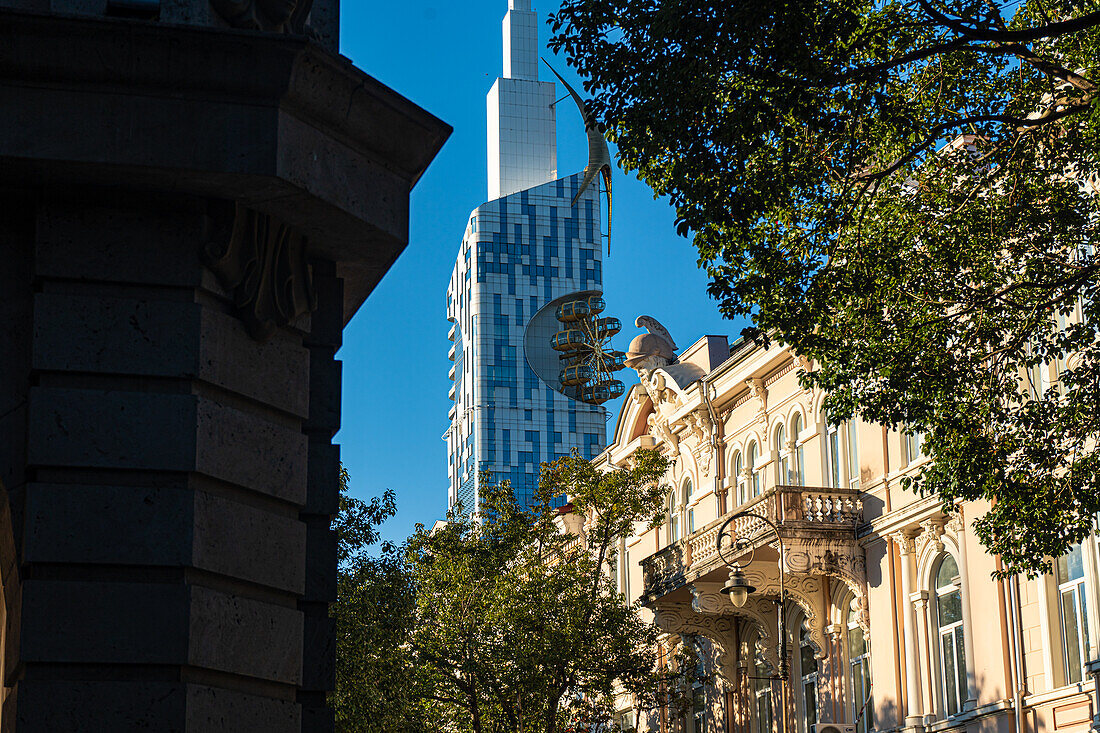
x=263, y=263
x=282, y=16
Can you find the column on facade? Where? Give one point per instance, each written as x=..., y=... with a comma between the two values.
x=926, y=642
x=913, y=708
x=957, y=526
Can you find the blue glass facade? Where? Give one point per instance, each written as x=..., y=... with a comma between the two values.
x=519, y=253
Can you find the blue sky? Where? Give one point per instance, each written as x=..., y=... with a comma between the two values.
x=444, y=56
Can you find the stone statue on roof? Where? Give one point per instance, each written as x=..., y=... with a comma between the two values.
x=649, y=351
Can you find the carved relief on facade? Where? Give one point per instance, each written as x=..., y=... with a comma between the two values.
x=679, y=618
x=759, y=393
x=263, y=263
x=931, y=534
x=282, y=16
x=956, y=525
x=701, y=433
x=842, y=559
x=803, y=590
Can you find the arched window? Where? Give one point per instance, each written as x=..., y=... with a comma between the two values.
x=807, y=669
x=673, y=520
x=738, y=481
x=799, y=458
x=685, y=500
x=949, y=624
x=1069, y=572
x=859, y=662
x=784, y=458
x=762, y=689
x=754, y=469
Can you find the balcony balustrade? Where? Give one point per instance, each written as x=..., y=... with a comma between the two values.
x=801, y=513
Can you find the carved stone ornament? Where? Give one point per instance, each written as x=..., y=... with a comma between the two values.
x=759, y=393
x=837, y=558
x=932, y=535
x=956, y=525
x=906, y=541
x=701, y=429
x=805, y=591
x=678, y=618
x=281, y=16
x=263, y=263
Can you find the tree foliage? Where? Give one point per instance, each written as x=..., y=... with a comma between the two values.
x=519, y=625
x=378, y=689
x=904, y=192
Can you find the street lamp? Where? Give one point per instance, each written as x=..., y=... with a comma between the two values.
x=738, y=588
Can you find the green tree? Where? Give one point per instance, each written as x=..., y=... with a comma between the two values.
x=520, y=626
x=378, y=690
x=904, y=192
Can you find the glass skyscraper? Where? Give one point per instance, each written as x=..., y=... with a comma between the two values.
x=523, y=253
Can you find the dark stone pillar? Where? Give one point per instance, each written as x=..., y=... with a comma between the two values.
x=197, y=212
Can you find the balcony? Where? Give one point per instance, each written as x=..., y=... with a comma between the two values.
x=813, y=522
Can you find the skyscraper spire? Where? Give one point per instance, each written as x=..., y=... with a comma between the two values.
x=521, y=40
x=522, y=136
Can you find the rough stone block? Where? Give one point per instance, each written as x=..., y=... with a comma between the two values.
x=271, y=372
x=251, y=451
x=96, y=428
x=323, y=492
x=104, y=623
x=325, y=375
x=83, y=705
x=248, y=543
x=115, y=335
x=327, y=325
x=245, y=636
x=213, y=710
x=320, y=560
x=125, y=525
x=319, y=653
x=142, y=245
x=318, y=719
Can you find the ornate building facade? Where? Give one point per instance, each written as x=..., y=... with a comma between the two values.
x=893, y=618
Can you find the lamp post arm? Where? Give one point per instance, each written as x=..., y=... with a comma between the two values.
x=784, y=663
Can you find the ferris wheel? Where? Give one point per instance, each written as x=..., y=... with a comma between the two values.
x=588, y=362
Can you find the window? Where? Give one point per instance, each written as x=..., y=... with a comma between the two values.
x=739, y=481
x=762, y=689
x=754, y=469
x=1069, y=573
x=673, y=520
x=859, y=662
x=784, y=457
x=833, y=454
x=853, y=455
x=807, y=667
x=799, y=458
x=913, y=443
x=685, y=500
x=952, y=657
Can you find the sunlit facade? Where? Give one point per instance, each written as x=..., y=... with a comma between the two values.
x=893, y=619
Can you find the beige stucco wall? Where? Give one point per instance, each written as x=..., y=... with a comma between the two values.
x=898, y=528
